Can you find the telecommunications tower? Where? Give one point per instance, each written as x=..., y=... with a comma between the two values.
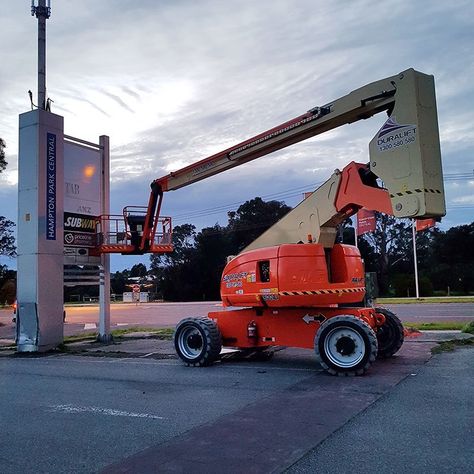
x=42, y=10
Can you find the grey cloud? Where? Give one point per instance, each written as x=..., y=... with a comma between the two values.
x=118, y=100
x=252, y=65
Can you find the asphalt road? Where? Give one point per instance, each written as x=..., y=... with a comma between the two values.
x=85, y=318
x=432, y=312
x=424, y=425
x=87, y=414
x=66, y=413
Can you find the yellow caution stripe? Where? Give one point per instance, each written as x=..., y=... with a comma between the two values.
x=426, y=190
x=334, y=291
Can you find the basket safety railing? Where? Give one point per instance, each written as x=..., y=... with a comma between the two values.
x=132, y=233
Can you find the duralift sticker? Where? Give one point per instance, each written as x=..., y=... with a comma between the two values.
x=51, y=186
x=393, y=135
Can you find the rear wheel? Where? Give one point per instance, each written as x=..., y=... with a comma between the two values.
x=389, y=336
x=345, y=345
x=197, y=341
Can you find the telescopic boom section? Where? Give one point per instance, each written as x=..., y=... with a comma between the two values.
x=404, y=155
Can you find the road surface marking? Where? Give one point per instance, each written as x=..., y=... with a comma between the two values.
x=102, y=411
x=148, y=355
x=90, y=326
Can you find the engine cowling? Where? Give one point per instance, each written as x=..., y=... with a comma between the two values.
x=293, y=275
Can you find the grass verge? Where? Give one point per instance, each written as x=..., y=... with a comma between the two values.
x=437, y=326
x=469, y=328
x=161, y=333
x=433, y=299
x=449, y=346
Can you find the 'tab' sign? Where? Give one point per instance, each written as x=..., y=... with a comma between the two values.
x=51, y=187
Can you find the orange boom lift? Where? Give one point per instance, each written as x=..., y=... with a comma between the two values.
x=293, y=286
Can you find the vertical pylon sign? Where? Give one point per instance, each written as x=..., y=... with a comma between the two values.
x=40, y=231
x=40, y=215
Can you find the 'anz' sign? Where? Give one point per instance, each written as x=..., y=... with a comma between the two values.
x=51, y=187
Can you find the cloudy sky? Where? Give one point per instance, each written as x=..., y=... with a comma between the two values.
x=173, y=81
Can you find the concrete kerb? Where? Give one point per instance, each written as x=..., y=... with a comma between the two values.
x=146, y=344
x=137, y=344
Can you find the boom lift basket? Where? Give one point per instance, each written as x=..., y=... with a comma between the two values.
x=126, y=233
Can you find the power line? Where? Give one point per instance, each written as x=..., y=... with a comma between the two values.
x=287, y=194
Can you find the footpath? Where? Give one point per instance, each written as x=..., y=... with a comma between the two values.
x=149, y=345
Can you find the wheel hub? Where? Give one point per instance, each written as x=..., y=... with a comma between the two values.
x=195, y=341
x=345, y=345
x=190, y=342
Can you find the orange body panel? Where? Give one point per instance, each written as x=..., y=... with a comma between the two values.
x=300, y=275
x=295, y=327
x=353, y=194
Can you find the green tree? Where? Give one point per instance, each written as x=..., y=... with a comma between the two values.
x=118, y=282
x=3, y=162
x=345, y=232
x=390, y=248
x=7, y=239
x=193, y=270
x=213, y=246
x=7, y=285
x=138, y=270
x=252, y=219
x=175, y=273
x=183, y=247
x=452, y=259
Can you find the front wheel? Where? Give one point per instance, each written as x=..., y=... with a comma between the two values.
x=390, y=335
x=345, y=345
x=197, y=341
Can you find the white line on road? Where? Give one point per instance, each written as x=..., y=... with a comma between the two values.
x=101, y=411
x=90, y=326
x=148, y=355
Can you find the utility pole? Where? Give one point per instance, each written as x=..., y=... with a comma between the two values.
x=415, y=259
x=42, y=10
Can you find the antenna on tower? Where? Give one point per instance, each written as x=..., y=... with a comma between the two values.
x=42, y=10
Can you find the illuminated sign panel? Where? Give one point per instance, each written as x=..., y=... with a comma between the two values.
x=82, y=172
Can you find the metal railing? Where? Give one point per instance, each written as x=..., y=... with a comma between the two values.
x=124, y=233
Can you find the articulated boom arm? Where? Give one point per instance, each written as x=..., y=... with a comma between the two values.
x=404, y=154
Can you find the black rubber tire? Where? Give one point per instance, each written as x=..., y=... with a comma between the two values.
x=390, y=336
x=359, y=329
x=197, y=341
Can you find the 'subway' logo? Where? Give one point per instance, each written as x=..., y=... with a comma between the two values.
x=79, y=222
